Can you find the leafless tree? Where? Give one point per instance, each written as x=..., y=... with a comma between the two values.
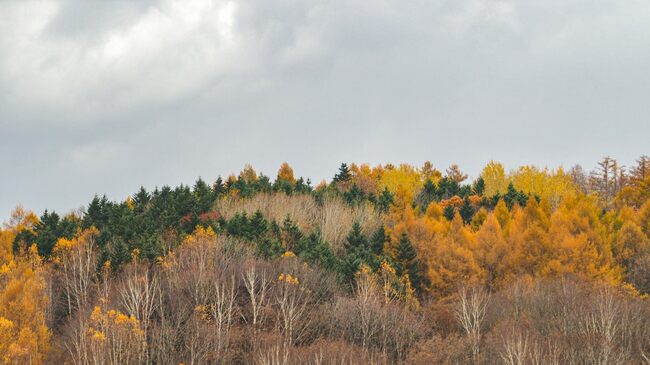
x=78, y=261
x=291, y=301
x=515, y=349
x=470, y=311
x=222, y=310
x=138, y=291
x=257, y=285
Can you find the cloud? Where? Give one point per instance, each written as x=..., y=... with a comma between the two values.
x=101, y=97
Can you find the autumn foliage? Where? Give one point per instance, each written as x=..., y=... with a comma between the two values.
x=385, y=264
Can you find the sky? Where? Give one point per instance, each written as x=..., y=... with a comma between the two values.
x=101, y=97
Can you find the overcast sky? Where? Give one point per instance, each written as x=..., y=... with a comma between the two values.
x=105, y=96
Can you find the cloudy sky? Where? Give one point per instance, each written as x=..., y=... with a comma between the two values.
x=105, y=96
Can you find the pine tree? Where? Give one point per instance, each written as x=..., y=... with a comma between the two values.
x=449, y=212
x=218, y=188
x=479, y=186
x=426, y=195
x=384, y=201
x=203, y=197
x=378, y=240
x=354, y=196
x=356, y=242
x=343, y=175
x=141, y=199
x=466, y=211
x=407, y=263
x=258, y=225
x=291, y=234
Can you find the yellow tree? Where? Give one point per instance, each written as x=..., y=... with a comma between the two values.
x=550, y=185
x=403, y=181
x=365, y=177
x=630, y=243
x=531, y=247
x=248, y=174
x=285, y=173
x=494, y=176
x=492, y=249
x=24, y=335
x=451, y=260
x=582, y=246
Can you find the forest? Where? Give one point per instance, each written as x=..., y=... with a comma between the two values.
x=387, y=264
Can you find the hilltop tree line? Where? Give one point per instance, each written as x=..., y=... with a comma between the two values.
x=384, y=264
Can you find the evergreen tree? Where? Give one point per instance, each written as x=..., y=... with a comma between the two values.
x=449, y=212
x=378, y=240
x=314, y=250
x=354, y=195
x=291, y=234
x=466, y=211
x=203, y=197
x=384, y=201
x=426, y=195
x=141, y=199
x=447, y=188
x=513, y=197
x=119, y=254
x=218, y=188
x=96, y=214
x=479, y=186
x=356, y=242
x=343, y=175
x=47, y=233
x=406, y=261
x=258, y=225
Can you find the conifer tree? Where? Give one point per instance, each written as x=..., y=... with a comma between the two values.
x=466, y=211
x=406, y=259
x=343, y=175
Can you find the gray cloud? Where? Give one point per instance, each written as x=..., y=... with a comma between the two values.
x=103, y=96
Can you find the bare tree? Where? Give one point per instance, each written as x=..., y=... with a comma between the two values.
x=138, y=293
x=515, y=350
x=257, y=285
x=366, y=300
x=470, y=311
x=291, y=301
x=78, y=260
x=222, y=310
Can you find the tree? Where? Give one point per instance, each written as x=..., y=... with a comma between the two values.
x=605, y=180
x=479, y=186
x=24, y=335
x=466, y=211
x=407, y=263
x=77, y=259
x=378, y=240
x=449, y=212
x=384, y=201
x=426, y=195
x=203, y=197
x=495, y=178
x=513, y=197
x=356, y=242
x=454, y=173
x=630, y=243
x=342, y=178
x=642, y=169
x=470, y=311
x=354, y=195
x=285, y=173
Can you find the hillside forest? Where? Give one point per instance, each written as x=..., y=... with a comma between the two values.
x=391, y=264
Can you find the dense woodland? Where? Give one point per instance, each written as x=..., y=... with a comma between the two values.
x=381, y=265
